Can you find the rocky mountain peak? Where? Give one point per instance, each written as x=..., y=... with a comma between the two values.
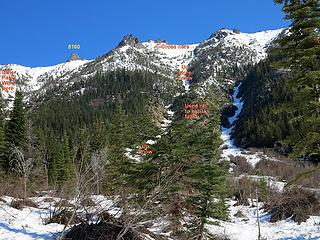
x=129, y=40
x=222, y=33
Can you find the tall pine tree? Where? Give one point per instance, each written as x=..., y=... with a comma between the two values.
x=15, y=133
x=16, y=130
x=64, y=163
x=300, y=51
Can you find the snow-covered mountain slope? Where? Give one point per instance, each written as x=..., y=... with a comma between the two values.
x=256, y=42
x=31, y=79
x=158, y=57
x=153, y=56
x=227, y=56
x=217, y=62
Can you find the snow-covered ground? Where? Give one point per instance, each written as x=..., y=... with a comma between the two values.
x=25, y=224
x=246, y=227
x=29, y=223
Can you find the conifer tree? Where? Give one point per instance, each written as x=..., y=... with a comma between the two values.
x=186, y=162
x=15, y=134
x=64, y=162
x=121, y=130
x=300, y=51
x=16, y=130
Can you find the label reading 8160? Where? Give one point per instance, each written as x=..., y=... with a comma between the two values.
x=74, y=46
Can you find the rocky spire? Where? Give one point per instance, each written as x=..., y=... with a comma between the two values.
x=73, y=57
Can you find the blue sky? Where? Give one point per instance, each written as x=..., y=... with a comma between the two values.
x=37, y=32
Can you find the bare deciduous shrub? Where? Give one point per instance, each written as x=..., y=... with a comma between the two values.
x=312, y=181
x=274, y=169
x=242, y=165
x=63, y=217
x=104, y=216
x=11, y=186
x=22, y=165
x=288, y=171
x=19, y=204
x=243, y=190
x=239, y=214
x=270, y=152
x=63, y=204
x=297, y=203
x=29, y=203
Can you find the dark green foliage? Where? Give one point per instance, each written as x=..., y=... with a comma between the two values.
x=53, y=153
x=262, y=123
x=300, y=51
x=186, y=172
x=15, y=134
x=284, y=108
x=114, y=110
x=64, y=164
x=99, y=135
x=136, y=91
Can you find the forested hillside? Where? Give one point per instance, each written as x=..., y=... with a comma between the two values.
x=160, y=141
x=283, y=110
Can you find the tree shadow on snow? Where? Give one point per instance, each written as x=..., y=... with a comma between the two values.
x=25, y=232
x=301, y=237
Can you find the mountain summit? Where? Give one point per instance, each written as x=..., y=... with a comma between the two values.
x=129, y=40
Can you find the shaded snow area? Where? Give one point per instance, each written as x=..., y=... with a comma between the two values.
x=246, y=228
x=244, y=225
x=28, y=223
